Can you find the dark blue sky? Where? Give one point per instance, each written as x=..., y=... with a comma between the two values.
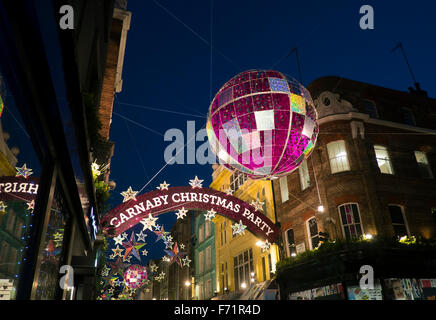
x=167, y=66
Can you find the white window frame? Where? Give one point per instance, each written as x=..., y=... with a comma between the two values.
x=309, y=237
x=388, y=159
x=335, y=159
x=427, y=164
x=303, y=172
x=288, y=249
x=360, y=217
x=404, y=216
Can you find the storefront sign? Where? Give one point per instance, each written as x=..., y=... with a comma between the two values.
x=18, y=188
x=157, y=202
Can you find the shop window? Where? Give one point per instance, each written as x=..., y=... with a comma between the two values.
x=423, y=165
x=290, y=243
x=304, y=175
x=338, y=156
x=350, y=219
x=398, y=220
x=243, y=266
x=383, y=159
x=312, y=228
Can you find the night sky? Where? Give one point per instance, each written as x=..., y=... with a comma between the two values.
x=168, y=64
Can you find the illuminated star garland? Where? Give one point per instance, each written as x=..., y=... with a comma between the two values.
x=238, y=228
x=210, y=214
x=129, y=194
x=23, y=171
x=196, y=183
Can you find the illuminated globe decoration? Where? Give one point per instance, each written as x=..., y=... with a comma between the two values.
x=262, y=123
x=135, y=276
x=2, y=105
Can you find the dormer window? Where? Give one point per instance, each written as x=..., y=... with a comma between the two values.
x=407, y=116
x=370, y=108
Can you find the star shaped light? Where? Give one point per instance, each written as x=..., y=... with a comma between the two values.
x=181, y=213
x=112, y=256
x=238, y=228
x=119, y=239
x=168, y=244
x=129, y=194
x=127, y=259
x=105, y=271
x=149, y=223
x=182, y=246
x=3, y=206
x=161, y=234
x=23, y=171
x=229, y=191
x=133, y=247
x=163, y=186
x=141, y=236
x=210, y=214
x=162, y=275
x=175, y=255
x=153, y=268
x=118, y=267
x=186, y=261
x=31, y=205
x=117, y=251
x=265, y=246
x=258, y=205
x=144, y=252
x=195, y=183
x=169, y=238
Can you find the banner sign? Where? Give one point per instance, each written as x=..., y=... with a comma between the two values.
x=157, y=202
x=18, y=188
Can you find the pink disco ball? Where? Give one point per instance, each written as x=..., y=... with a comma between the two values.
x=135, y=276
x=262, y=123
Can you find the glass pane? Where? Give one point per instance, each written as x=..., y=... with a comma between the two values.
x=53, y=244
x=290, y=236
x=342, y=211
x=355, y=213
x=315, y=242
x=396, y=214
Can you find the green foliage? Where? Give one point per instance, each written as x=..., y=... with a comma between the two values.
x=92, y=119
x=336, y=246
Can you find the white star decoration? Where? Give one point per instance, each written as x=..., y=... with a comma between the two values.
x=186, y=261
x=149, y=223
x=144, y=252
x=182, y=246
x=31, y=205
x=210, y=214
x=23, y=171
x=195, y=183
x=119, y=239
x=153, y=268
x=181, y=213
x=2, y=206
x=229, y=192
x=258, y=205
x=163, y=186
x=238, y=228
x=141, y=236
x=129, y=194
x=265, y=246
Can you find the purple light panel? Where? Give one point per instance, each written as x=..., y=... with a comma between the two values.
x=262, y=123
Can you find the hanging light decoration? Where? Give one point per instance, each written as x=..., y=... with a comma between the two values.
x=262, y=123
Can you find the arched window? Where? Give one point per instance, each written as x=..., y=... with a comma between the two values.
x=338, y=156
x=350, y=220
x=398, y=220
x=370, y=108
x=312, y=233
x=291, y=250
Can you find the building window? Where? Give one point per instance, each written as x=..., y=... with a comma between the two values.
x=208, y=257
x=304, y=175
x=338, y=156
x=383, y=160
x=225, y=231
x=263, y=269
x=200, y=262
x=201, y=291
x=269, y=264
x=350, y=218
x=290, y=243
x=407, y=117
x=208, y=293
x=398, y=220
x=10, y=223
x=4, y=254
x=423, y=165
x=370, y=108
x=13, y=258
x=312, y=228
x=284, y=192
x=237, y=179
x=19, y=228
x=243, y=266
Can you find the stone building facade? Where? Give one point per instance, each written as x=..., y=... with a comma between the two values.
x=372, y=169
